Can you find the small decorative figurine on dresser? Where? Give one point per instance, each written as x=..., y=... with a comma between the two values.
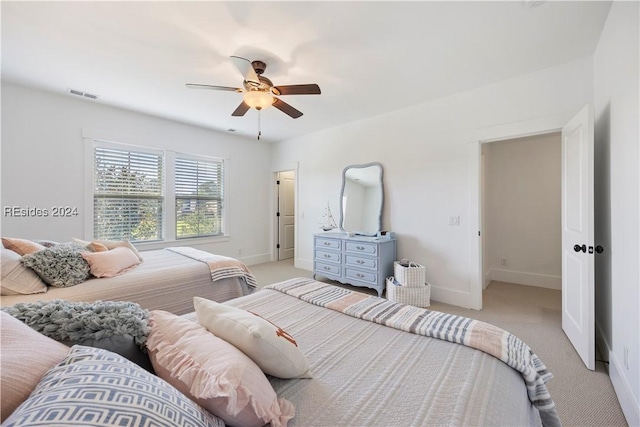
x=328, y=223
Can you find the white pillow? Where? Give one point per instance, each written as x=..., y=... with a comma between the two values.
x=16, y=278
x=269, y=346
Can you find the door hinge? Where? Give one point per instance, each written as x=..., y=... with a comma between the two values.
x=277, y=213
x=278, y=246
x=278, y=182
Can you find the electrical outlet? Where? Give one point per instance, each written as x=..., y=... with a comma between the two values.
x=503, y=261
x=239, y=251
x=626, y=357
x=454, y=220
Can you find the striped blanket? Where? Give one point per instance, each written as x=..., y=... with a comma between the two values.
x=457, y=329
x=221, y=267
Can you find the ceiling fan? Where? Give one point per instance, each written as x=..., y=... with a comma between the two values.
x=258, y=91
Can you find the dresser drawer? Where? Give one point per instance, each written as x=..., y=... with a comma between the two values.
x=361, y=261
x=361, y=276
x=327, y=269
x=328, y=256
x=362, y=247
x=328, y=243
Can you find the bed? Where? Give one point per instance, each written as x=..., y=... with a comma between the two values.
x=167, y=279
x=367, y=373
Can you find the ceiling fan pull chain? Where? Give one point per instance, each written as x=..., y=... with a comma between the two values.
x=259, y=126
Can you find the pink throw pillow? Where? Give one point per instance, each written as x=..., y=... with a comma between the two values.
x=112, y=262
x=21, y=246
x=213, y=373
x=26, y=356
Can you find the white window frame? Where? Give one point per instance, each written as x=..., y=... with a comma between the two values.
x=169, y=210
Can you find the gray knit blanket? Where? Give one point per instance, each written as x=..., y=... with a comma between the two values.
x=76, y=321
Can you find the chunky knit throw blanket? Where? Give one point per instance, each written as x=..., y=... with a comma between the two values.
x=76, y=321
x=457, y=329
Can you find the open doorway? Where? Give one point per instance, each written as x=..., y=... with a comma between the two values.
x=285, y=215
x=522, y=211
x=576, y=219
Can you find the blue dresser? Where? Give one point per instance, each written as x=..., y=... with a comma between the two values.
x=358, y=260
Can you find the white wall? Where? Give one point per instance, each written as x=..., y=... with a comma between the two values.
x=522, y=211
x=42, y=166
x=617, y=212
x=426, y=155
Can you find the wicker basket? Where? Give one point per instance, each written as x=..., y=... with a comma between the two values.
x=419, y=296
x=409, y=273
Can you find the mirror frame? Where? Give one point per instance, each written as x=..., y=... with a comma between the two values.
x=344, y=180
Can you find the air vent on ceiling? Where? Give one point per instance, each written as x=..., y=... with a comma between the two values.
x=534, y=3
x=81, y=93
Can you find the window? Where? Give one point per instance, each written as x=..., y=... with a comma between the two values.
x=128, y=194
x=199, y=187
x=148, y=195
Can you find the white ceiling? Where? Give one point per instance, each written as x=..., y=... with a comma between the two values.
x=369, y=58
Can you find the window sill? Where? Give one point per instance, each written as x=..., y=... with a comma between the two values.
x=194, y=241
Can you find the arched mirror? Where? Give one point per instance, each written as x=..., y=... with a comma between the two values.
x=361, y=199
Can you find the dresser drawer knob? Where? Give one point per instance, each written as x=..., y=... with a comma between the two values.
x=360, y=248
x=360, y=261
x=327, y=243
x=327, y=268
x=327, y=256
x=360, y=275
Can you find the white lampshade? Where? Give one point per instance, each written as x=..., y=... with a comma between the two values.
x=258, y=99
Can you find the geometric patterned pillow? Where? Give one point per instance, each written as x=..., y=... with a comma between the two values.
x=95, y=387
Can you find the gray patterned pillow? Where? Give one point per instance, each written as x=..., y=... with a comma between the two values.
x=60, y=265
x=95, y=387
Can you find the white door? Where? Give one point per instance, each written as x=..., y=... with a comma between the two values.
x=578, y=319
x=286, y=215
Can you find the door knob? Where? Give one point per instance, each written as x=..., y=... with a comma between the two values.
x=579, y=248
x=599, y=249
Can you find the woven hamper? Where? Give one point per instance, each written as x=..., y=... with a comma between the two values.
x=419, y=296
x=409, y=273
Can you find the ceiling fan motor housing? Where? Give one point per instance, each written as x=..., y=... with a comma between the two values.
x=259, y=67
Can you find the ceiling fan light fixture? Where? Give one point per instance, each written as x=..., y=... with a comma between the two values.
x=258, y=99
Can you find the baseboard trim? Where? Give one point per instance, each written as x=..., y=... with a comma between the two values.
x=256, y=259
x=304, y=264
x=630, y=407
x=451, y=296
x=524, y=278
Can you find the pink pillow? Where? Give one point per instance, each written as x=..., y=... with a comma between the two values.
x=213, y=373
x=112, y=262
x=21, y=246
x=26, y=356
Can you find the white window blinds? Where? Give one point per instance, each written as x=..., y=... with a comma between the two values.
x=199, y=187
x=128, y=194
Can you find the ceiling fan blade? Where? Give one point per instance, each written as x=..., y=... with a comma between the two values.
x=286, y=108
x=241, y=110
x=310, y=89
x=246, y=69
x=211, y=87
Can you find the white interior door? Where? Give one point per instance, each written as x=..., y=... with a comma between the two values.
x=578, y=318
x=286, y=215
